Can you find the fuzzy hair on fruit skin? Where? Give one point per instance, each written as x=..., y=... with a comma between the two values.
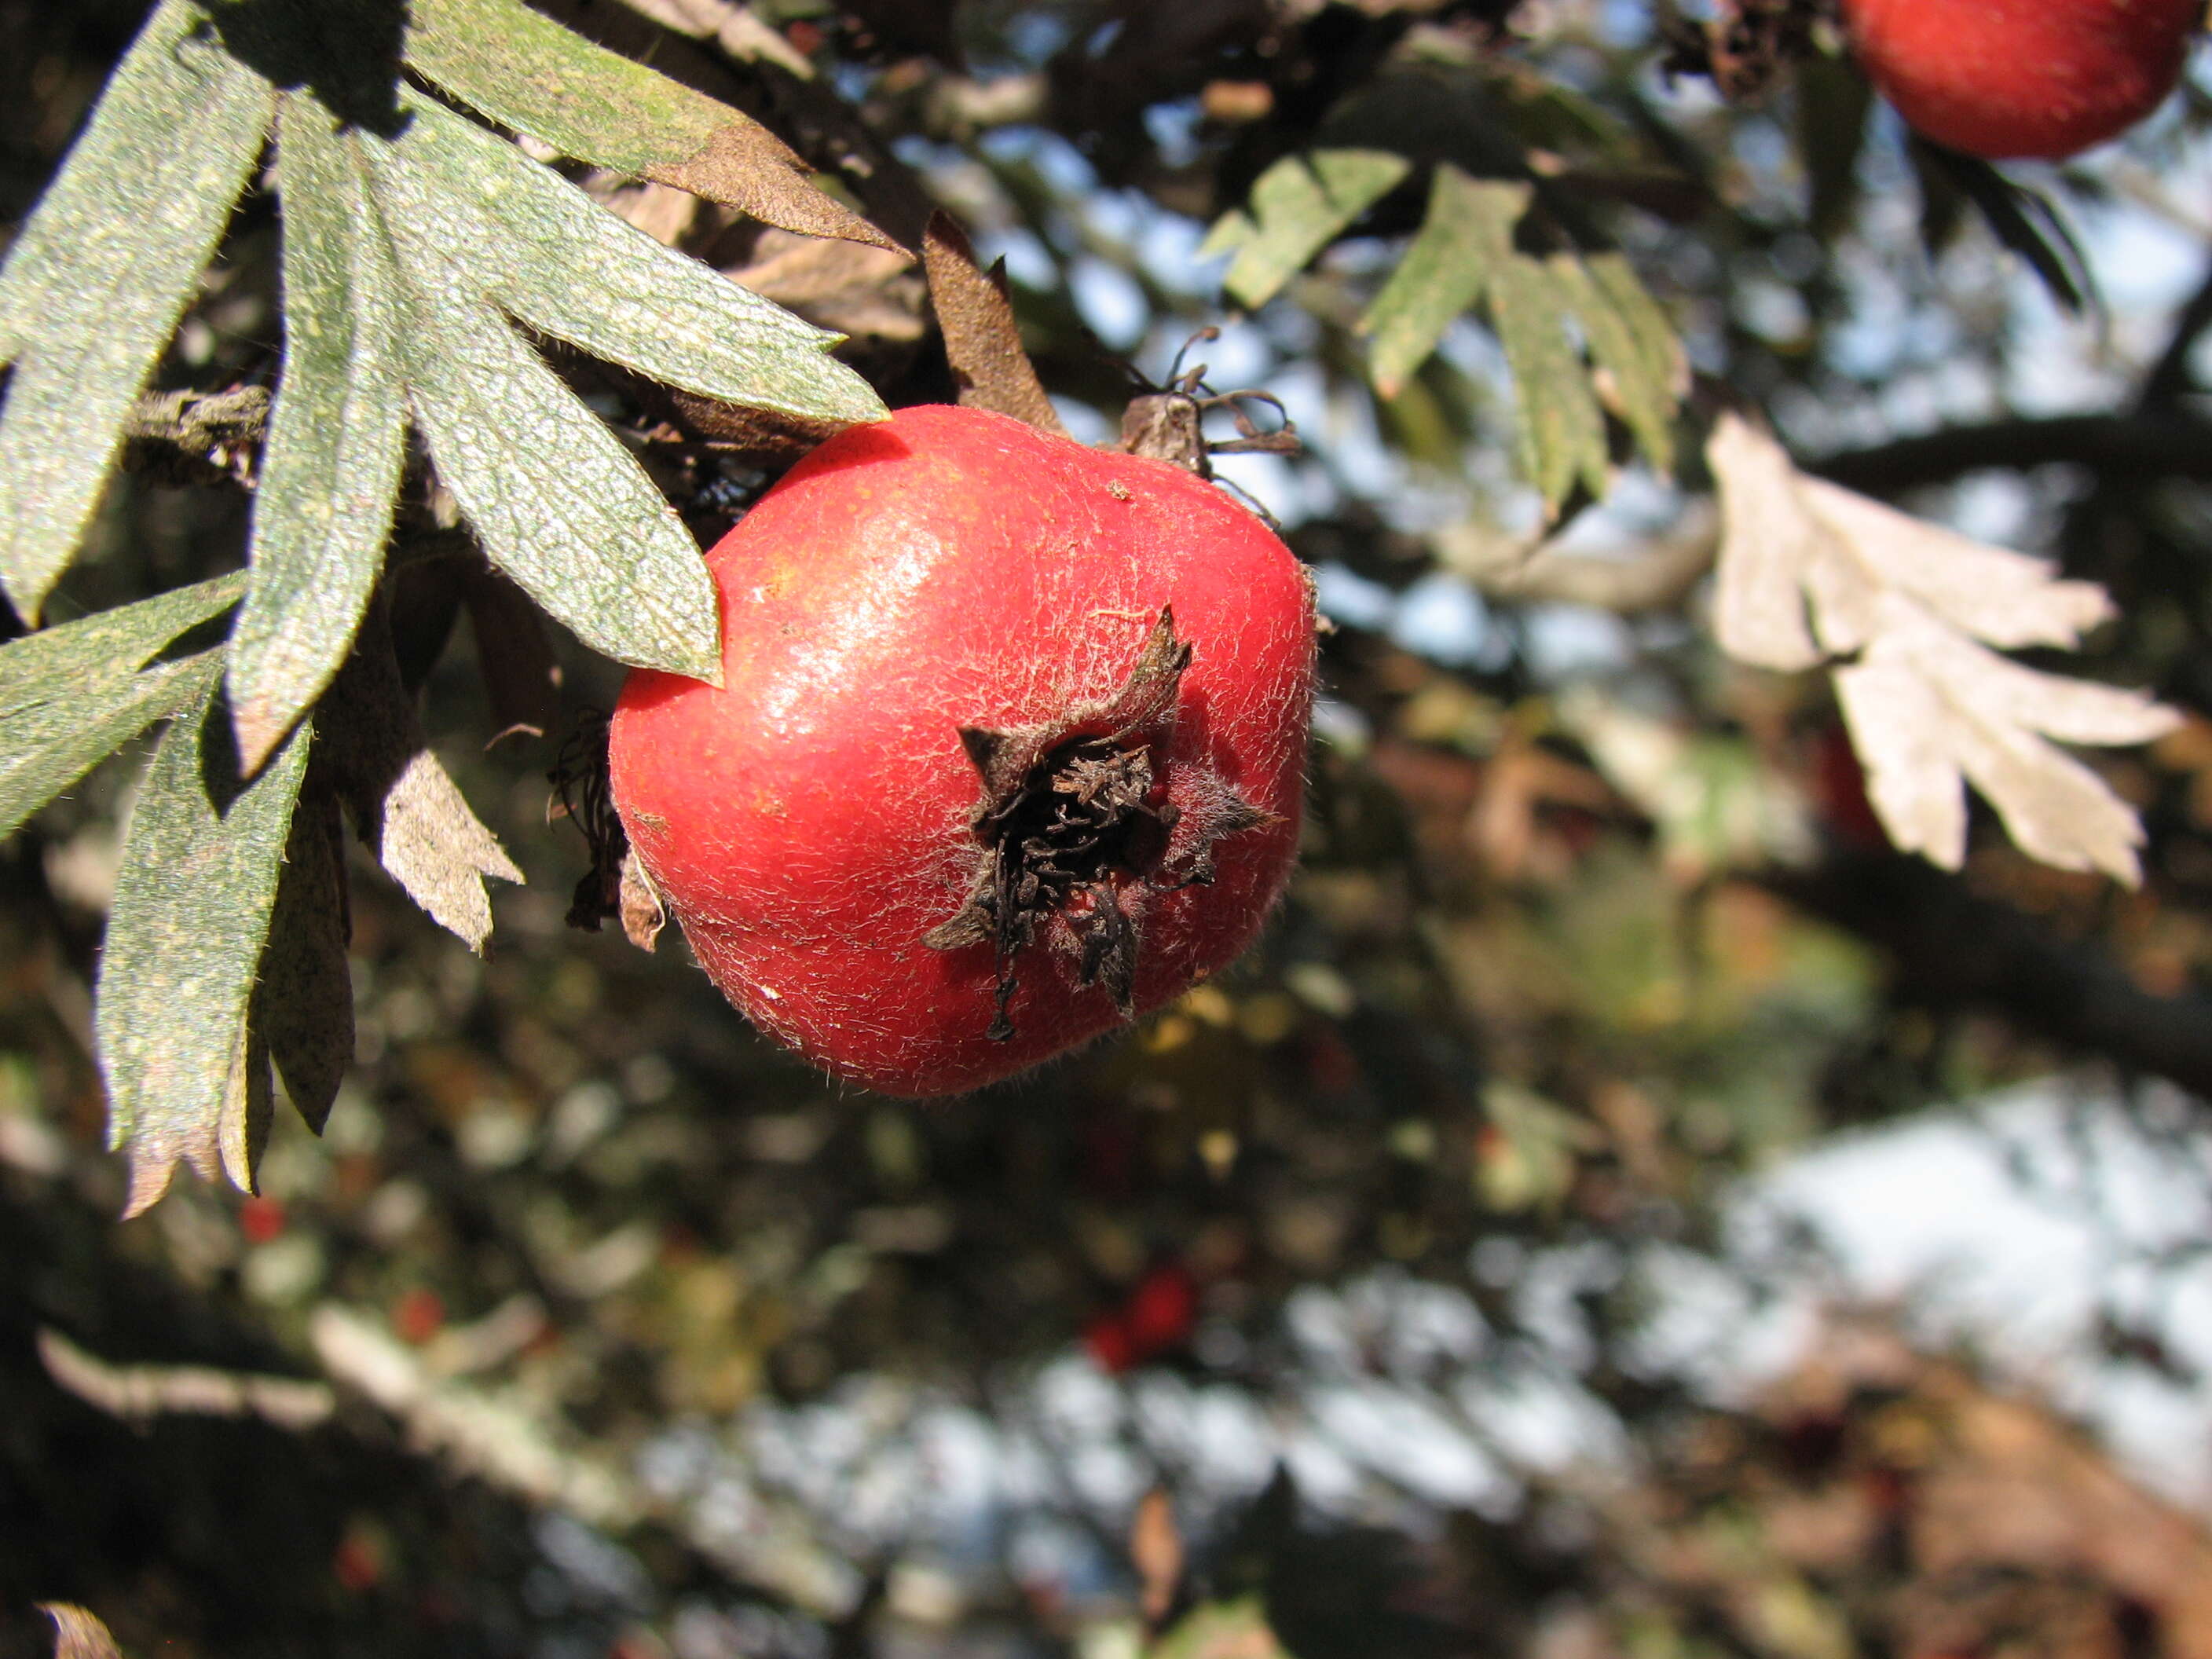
x=813, y=818
x=2022, y=79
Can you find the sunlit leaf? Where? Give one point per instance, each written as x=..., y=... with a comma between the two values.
x=71, y=695
x=1297, y=208
x=1561, y=437
x=336, y=437
x=1465, y=240
x=504, y=226
x=1630, y=344
x=200, y=873
x=93, y=286
x=1810, y=571
x=529, y=74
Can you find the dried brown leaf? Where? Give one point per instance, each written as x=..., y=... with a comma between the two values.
x=643, y=915
x=981, y=339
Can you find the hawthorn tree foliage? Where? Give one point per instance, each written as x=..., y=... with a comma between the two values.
x=1694, y=774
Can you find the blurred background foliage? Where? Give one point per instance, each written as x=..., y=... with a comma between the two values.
x=1370, y=1258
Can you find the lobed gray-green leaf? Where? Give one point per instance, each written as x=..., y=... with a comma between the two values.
x=336, y=437
x=93, y=286
x=515, y=231
x=71, y=695
x=185, y=939
x=558, y=502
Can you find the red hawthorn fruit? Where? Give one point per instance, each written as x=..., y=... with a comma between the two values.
x=1009, y=748
x=2022, y=78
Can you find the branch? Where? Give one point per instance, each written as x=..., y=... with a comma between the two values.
x=137, y=1394
x=199, y=437
x=2142, y=448
x=1659, y=578
x=1953, y=949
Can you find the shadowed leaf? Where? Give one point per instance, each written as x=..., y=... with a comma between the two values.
x=185, y=938
x=528, y=73
x=404, y=808
x=94, y=284
x=336, y=440
x=304, y=1007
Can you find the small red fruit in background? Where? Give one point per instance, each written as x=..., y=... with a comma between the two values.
x=1010, y=747
x=2022, y=78
x=1158, y=1319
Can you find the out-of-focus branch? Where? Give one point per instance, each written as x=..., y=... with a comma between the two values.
x=1950, y=948
x=505, y=1445
x=2173, y=444
x=1658, y=579
x=214, y=434
x=138, y=1394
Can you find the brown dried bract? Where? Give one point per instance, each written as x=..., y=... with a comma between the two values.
x=1076, y=831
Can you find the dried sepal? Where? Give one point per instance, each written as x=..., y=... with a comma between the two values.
x=1076, y=834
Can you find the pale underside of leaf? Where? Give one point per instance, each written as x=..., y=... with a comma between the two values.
x=93, y=286
x=529, y=74
x=558, y=503
x=336, y=439
x=1465, y=238
x=1930, y=705
x=185, y=939
x=1299, y=206
x=78, y=1634
x=1562, y=432
x=514, y=231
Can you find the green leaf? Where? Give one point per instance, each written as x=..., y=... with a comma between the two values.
x=336, y=439
x=303, y=1003
x=186, y=1078
x=94, y=287
x=71, y=695
x=1299, y=207
x=514, y=231
x=1562, y=434
x=558, y=502
x=528, y=73
x=1642, y=365
x=1466, y=236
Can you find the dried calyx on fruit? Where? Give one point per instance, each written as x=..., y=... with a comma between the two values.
x=1076, y=836
x=1009, y=748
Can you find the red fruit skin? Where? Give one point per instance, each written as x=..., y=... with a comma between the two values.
x=808, y=821
x=2007, y=79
